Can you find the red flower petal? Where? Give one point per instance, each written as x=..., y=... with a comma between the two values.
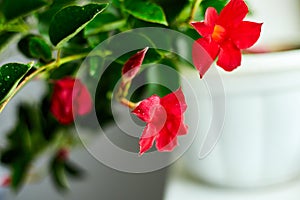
x=246, y=34
x=147, y=138
x=229, y=57
x=204, y=53
x=82, y=99
x=202, y=28
x=206, y=28
x=133, y=64
x=233, y=13
x=145, y=110
x=174, y=103
x=167, y=140
x=211, y=16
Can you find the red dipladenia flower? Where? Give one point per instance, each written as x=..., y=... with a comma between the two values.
x=224, y=35
x=65, y=96
x=164, y=118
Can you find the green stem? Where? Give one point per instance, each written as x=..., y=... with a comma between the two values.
x=195, y=7
x=41, y=69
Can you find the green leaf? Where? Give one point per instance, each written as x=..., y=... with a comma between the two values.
x=71, y=20
x=19, y=171
x=73, y=170
x=35, y=47
x=13, y=9
x=40, y=49
x=10, y=75
x=46, y=16
x=146, y=11
x=103, y=23
x=217, y=4
x=58, y=174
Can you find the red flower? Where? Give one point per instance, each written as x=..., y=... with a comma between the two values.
x=224, y=35
x=133, y=64
x=164, y=118
x=65, y=95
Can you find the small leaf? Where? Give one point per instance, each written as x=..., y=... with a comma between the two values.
x=10, y=75
x=71, y=20
x=146, y=11
x=103, y=23
x=73, y=170
x=58, y=174
x=35, y=47
x=13, y=9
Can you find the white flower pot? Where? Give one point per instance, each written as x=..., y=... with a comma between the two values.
x=281, y=23
x=260, y=139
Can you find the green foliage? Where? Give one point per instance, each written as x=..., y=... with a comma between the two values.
x=10, y=76
x=17, y=8
x=35, y=47
x=146, y=11
x=71, y=20
x=45, y=28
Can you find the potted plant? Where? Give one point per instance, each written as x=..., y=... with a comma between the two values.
x=89, y=55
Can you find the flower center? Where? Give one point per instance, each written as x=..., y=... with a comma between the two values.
x=218, y=34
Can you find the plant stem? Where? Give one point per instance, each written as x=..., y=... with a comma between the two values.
x=41, y=69
x=128, y=103
x=195, y=7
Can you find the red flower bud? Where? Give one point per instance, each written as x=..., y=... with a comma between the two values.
x=68, y=101
x=133, y=64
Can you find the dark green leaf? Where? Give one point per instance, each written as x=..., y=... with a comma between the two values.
x=10, y=75
x=103, y=23
x=66, y=69
x=40, y=49
x=217, y=4
x=58, y=174
x=46, y=16
x=146, y=11
x=35, y=47
x=172, y=8
x=71, y=20
x=73, y=169
x=17, y=8
x=19, y=172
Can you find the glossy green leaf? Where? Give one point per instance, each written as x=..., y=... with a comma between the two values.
x=35, y=47
x=10, y=75
x=103, y=23
x=146, y=11
x=45, y=17
x=17, y=8
x=71, y=20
